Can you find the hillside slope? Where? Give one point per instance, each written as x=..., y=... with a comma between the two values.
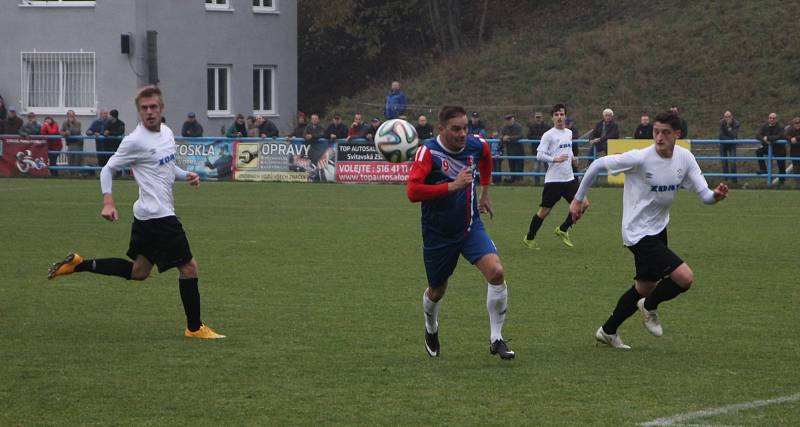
x=628, y=55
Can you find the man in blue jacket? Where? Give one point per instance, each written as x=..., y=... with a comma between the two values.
x=395, y=102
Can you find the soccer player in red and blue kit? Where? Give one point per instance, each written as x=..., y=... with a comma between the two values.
x=442, y=178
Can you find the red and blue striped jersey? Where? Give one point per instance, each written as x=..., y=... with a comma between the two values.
x=448, y=216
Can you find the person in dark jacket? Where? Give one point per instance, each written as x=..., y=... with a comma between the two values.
x=536, y=129
x=191, y=127
x=423, y=128
x=114, y=131
x=603, y=131
x=793, y=137
x=266, y=128
x=336, y=129
x=684, y=125
x=372, y=129
x=645, y=128
x=728, y=131
x=13, y=121
x=395, y=102
x=313, y=133
x=475, y=126
x=769, y=133
x=511, y=133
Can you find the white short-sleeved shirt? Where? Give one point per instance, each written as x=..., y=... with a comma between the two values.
x=151, y=157
x=556, y=142
x=651, y=182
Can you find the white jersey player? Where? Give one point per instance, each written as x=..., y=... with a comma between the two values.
x=555, y=149
x=653, y=175
x=157, y=237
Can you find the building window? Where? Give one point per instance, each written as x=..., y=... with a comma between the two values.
x=264, y=89
x=218, y=5
x=57, y=3
x=54, y=82
x=265, y=5
x=218, y=85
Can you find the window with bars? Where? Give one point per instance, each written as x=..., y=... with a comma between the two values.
x=218, y=89
x=265, y=5
x=263, y=89
x=54, y=82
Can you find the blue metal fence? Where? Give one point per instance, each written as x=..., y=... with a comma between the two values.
x=748, y=144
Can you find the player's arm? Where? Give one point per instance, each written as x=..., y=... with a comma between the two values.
x=698, y=183
x=182, y=175
x=416, y=188
x=485, y=169
x=124, y=156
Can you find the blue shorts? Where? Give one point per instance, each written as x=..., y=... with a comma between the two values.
x=440, y=261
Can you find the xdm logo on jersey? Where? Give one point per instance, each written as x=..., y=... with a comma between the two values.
x=167, y=159
x=565, y=145
x=664, y=188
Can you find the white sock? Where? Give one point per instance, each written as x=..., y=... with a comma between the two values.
x=431, y=311
x=497, y=304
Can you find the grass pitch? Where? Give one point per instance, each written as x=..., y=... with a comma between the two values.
x=318, y=288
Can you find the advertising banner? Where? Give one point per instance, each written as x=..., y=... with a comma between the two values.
x=211, y=160
x=284, y=161
x=23, y=157
x=619, y=146
x=359, y=163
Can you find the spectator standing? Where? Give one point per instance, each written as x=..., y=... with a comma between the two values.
x=357, y=129
x=684, y=125
x=476, y=126
x=72, y=128
x=50, y=127
x=336, y=129
x=191, y=127
x=510, y=135
x=3, y=111
x=238, y=129
x=373, y=129
x=98, y=126
x=266, y=128
x=645, y=128
x=423, y=128
x=793, y=136
x=13, y=121
x=395, y=102
x=115, y=130
x=251, y=123
x=603, y=131
x=569, y=124
x=536, y=129
x=728, y=131
x=300, y=129
x=769, y=133
x=32, y=127
x=313, y=134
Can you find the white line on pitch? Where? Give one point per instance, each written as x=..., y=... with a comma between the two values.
x=680, y=418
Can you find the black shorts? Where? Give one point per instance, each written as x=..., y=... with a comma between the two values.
x=554, y=191
x=654, y=260
x=161, y=240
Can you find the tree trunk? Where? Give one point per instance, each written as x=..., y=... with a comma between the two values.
x=454, y=23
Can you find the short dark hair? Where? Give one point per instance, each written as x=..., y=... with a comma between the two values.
x=449, y=111
x=558, y=107
x=669, y=118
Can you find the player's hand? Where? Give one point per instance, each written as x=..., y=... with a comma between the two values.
x=193, y=179
x=561, y=158
x=485, y=205
x=109, y=212
x=721, y=191
x=578, y=208
x=463, y=179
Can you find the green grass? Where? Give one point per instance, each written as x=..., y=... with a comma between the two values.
x=318, y=288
